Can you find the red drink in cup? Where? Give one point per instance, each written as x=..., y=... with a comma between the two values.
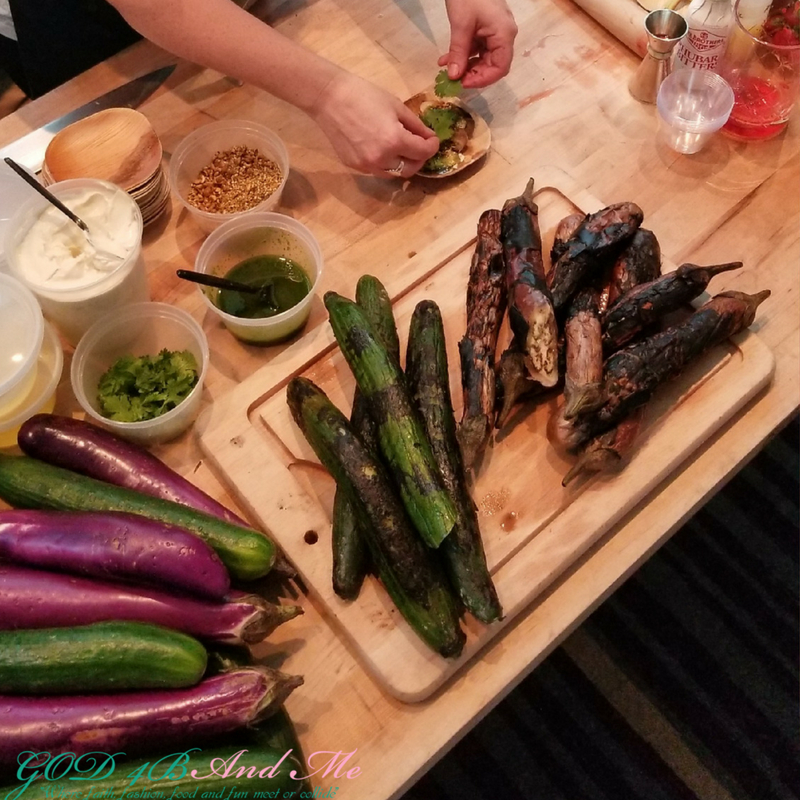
x=762, y=65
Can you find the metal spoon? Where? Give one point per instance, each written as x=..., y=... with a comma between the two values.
x=51, y=198
x=266, y=293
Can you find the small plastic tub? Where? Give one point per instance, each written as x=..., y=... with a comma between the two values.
x=194, y=153
x=73, y=303
x=261, y=233
x=139, y=329
x=41, y=397
x=21, y=335
x=30, y=358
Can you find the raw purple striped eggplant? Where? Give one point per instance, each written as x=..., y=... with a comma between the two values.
x=113, y=545
x=90, y=450
x=31, y=598
x=136, y=721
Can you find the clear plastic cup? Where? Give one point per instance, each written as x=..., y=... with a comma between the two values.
x=74, y=306
x=139, y=329
x=692, y=106
x=261, y=233
x=197, y=150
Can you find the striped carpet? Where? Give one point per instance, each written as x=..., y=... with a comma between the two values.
x=682, y=686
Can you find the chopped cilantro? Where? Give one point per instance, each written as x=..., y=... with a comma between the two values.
x=137, y=388
x=444, y=87
x=441, y=120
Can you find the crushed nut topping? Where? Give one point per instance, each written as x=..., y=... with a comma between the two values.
x=235, y=180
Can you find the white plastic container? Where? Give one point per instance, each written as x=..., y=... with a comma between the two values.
x=31, y=359
x=261, y=233
x=139, y=329
x=692, y=106
x=75, y=307
x=197, y=150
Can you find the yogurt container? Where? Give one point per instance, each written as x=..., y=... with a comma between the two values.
x=31, y=359
x=78, y=279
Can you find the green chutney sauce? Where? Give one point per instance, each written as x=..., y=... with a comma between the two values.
x=288, y=284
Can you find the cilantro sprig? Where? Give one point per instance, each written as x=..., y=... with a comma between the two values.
x=137, y=388
x=441, y=120
x=444, y=87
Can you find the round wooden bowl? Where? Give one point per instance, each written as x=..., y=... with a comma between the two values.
x=117, y=145
x=480, y=138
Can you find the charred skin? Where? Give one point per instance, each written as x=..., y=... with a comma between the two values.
x=635, y=372
x=403, y=442
x=639, y=262
x=564, y=231
x=583, y=381
x=350, y=553
x=610, y=451
x=486, y=303
x=647, y=303
x=530, y=309
x=429, y=383
x=512, y=377
x=594, y=239
x=404, y=564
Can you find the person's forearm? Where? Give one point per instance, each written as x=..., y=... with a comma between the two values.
x=220, y=35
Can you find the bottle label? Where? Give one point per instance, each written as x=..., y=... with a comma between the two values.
x=701, y=49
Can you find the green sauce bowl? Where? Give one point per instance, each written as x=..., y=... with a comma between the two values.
x=261, y=234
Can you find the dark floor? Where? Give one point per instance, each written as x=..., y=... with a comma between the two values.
x=682, y=686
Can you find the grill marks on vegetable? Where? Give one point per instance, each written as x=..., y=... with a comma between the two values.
x=634, y=373
x=405, y=567
x=401, y=435
x=607, y=291
x=486, y=303
x=530, y=306
x=429, y=382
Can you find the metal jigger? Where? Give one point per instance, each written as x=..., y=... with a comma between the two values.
x=664, y=28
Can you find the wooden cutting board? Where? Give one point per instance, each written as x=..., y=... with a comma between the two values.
x=534, y=529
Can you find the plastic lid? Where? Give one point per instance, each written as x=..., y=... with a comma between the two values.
x=21, y=332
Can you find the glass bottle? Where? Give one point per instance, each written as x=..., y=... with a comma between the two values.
x=709, y=26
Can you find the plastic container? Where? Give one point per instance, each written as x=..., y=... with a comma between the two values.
x=261, y=233
x=197, y=150
x=139, y=329
x=30, y=359
x=41, y=397
x=21, y=334
x=692, y=105
x=74, y=308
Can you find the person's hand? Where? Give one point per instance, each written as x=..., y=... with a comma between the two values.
x=371, y=130
x=482, y=34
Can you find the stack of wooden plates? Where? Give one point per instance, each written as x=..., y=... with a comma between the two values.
x=117, y=145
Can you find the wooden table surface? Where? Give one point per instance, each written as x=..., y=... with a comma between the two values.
x=564, y=104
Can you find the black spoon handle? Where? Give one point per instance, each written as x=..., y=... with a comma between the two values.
x=217, y=283
x=49, y=196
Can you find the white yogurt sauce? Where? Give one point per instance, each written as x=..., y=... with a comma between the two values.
x=56, y=253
